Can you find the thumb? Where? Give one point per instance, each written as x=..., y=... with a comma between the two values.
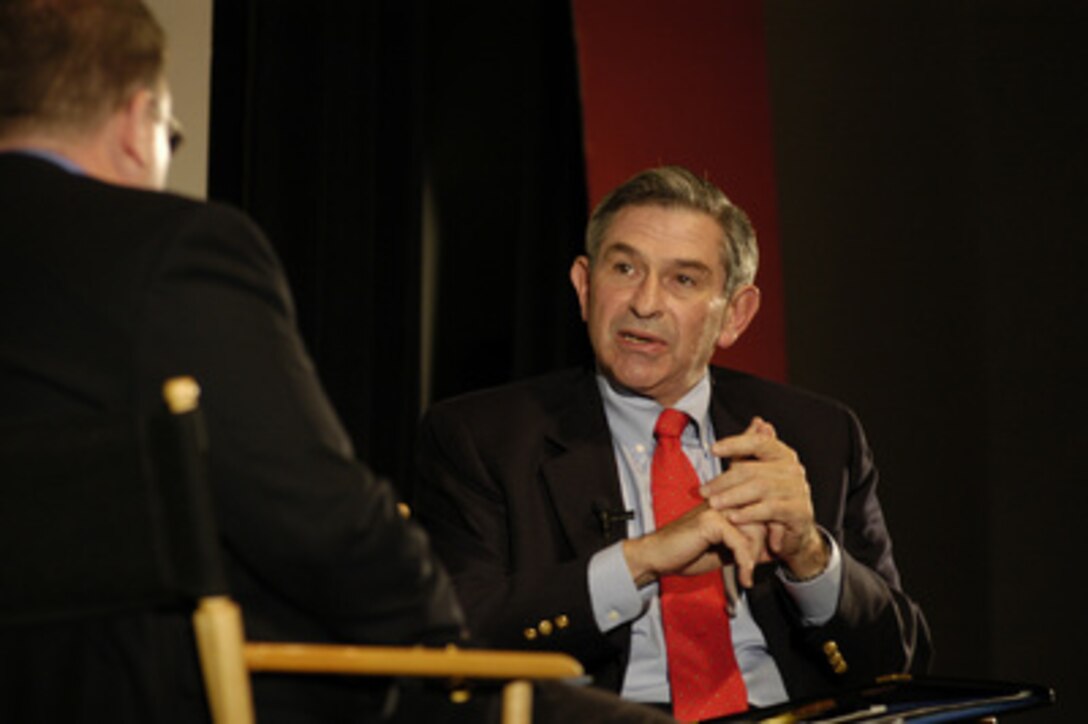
x=759, y=426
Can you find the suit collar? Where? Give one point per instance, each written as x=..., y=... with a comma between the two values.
x=726, y=421
x=51, y=157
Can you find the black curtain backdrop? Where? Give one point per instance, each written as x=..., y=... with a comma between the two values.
x=332, y=121
x=315, y=129
x=931, y=166
x=505, y=165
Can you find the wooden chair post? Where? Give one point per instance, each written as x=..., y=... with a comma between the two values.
x=217, y=623
x=517, y=702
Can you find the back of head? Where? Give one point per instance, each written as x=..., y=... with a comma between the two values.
x=675, y=186
x=65, y=65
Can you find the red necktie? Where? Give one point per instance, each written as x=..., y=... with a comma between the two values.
x=703, y=672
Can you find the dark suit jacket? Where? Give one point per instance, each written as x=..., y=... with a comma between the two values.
x=105, y=292
x=512, y=480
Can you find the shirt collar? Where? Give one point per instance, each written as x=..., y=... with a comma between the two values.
x=632, y=417
x=52, y=157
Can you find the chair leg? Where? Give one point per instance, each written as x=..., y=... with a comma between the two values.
x=517, y=703
x=217, y=622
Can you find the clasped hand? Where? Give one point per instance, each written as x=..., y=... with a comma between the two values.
x=759, y=510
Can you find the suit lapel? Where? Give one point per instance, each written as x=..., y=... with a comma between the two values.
x=580, y=470
x=726, y=423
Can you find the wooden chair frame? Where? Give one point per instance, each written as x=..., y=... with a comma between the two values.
x=228, y=660
x=128, y=509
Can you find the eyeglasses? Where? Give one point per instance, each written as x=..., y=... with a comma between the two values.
x=174, y=135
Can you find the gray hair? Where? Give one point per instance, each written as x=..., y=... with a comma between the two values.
x=677, y=187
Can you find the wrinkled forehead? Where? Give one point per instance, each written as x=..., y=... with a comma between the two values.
x=694, y=231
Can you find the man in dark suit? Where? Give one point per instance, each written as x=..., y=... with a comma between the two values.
x=108, y=287
x=539, y=494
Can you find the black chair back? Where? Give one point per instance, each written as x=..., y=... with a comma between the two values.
x=103, y=515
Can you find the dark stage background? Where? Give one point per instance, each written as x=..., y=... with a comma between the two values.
x=419, y=166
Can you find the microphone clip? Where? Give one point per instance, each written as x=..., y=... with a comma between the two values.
x=611, y=520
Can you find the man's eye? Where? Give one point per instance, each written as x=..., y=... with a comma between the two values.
x=685, y=280
x=623, y=267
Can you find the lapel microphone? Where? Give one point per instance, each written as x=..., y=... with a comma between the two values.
x=610, y=518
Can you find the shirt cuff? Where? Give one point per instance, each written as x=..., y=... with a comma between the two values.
x=612, y=592
x=818, y=597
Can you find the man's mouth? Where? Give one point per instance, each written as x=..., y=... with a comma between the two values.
x=635, y=337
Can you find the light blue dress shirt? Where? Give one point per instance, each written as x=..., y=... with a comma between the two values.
x=616, y=600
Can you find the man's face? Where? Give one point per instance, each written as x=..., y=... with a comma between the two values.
x=654, y=299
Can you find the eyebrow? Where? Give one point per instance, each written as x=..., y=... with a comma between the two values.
x=620, y=247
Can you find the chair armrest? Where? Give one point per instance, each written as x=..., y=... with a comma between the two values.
x=410, y=661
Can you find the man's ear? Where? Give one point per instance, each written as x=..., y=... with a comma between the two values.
x=133, y=128
x=739, y=314
x=579, y=277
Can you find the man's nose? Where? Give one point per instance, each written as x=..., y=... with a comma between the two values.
x=646, y=299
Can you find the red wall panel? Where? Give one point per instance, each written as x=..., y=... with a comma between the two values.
x=686, y=82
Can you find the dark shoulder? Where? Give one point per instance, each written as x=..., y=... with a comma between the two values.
x=181, y=215
x=520, y=413
x=515, y=419
x=43, y=201
x=534, y=397
x=746, y=395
